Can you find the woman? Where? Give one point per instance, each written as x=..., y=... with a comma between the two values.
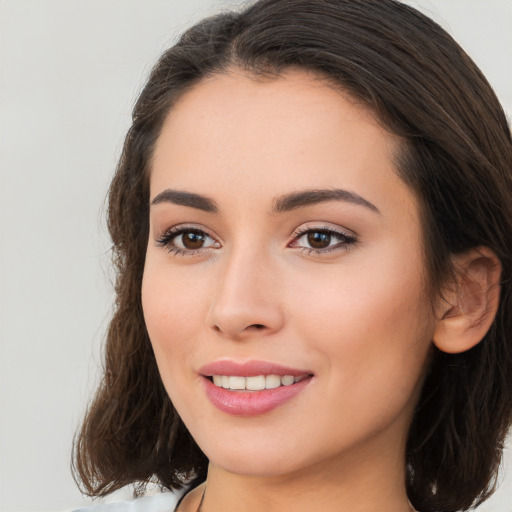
x=311, y=222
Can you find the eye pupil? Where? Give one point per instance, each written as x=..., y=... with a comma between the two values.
x=319, y=240
x=193, y=239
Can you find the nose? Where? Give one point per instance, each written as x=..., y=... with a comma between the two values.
x=246, y=300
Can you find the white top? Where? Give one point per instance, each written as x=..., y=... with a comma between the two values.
x=164, y=502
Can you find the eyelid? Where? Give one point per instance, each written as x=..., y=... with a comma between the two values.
x=306, y=228
x=346, y=238
x=349, y=238
x=184, y=227
x=167, y=236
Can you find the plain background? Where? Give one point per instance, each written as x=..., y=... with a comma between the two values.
x=69, y=74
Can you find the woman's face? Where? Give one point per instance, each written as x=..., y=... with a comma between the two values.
x=284, y=248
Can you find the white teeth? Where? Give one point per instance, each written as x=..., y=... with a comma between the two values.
x=256, y=383
x=272, y=381
x=236, y=382
x=287, y=380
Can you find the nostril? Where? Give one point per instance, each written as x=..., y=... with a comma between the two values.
x=257, y=326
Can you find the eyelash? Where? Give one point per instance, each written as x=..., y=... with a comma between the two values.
x=346, y=240
x=167, y=238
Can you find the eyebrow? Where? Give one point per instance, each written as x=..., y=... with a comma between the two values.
x=311, y=197
x=186, y=199
x=282, y=204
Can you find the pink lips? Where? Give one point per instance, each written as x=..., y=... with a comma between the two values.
x=251, y=403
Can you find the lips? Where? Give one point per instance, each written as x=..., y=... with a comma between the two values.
x=251, y=388
x=249, y=369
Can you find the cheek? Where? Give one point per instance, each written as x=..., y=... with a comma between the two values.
x=173, y=312
x=171, y=317
x=371, y=323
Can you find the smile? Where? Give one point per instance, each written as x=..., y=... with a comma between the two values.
x=255, y=383
x=253, y=387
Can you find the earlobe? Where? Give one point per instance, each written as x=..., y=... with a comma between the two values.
x=470, y=305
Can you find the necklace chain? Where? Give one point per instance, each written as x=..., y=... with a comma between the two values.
x=200, y=506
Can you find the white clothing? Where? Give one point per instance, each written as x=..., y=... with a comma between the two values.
x=164, y=502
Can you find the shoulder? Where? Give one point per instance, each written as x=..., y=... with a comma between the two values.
x=164, y=502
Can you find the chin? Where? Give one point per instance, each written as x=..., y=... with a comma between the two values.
x=257, y=466
x=258, y=454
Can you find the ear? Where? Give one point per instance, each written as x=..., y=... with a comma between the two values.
x=469, y=305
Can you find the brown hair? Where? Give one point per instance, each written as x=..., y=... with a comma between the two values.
x=456, y=157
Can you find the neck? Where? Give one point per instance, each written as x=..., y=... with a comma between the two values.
x=334, y=486
x=366, y=476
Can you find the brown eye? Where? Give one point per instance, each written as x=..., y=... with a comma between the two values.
x=186, y=241
x=323, y=240
x=191, y=240
x=319, y=239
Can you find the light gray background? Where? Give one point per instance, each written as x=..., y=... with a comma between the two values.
x=69, y=73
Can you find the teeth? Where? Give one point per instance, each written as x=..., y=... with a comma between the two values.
x=287, y=380
x=237, y=383
x=272, y=381
x=256, y=383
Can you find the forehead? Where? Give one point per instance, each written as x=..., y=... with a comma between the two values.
x=236, y=133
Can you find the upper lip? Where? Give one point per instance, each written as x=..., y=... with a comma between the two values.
x=249, y=369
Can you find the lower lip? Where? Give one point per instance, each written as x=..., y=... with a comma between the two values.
x=251, y=403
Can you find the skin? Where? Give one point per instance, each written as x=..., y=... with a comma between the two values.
x=357, y=316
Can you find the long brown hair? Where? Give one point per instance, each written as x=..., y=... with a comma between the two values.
x=456, y=157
